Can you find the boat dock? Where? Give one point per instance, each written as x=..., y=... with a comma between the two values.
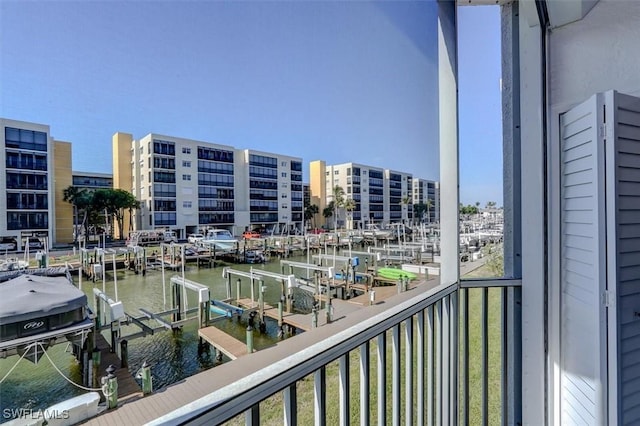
x=221, y=341
x=346, y=313
x=127, y=385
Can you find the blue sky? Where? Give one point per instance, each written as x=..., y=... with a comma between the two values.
x=337, y=81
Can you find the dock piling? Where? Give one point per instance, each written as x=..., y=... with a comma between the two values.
x=314, y=318
x=124, y=353
x=249, y=339
x=95, y=356
x=144, y=374
x=110, y=387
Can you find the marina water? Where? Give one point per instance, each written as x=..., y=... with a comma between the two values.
x=172, y=356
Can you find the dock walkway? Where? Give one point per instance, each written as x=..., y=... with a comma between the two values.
x=143, y=410
x=228, y=345
x=127, y=385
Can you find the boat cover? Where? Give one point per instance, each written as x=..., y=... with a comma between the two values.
x=30, y=296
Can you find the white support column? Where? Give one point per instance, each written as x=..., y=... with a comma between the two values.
x=448, y=125
x=533, y=214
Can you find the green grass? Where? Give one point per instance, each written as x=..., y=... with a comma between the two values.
x=271, y=410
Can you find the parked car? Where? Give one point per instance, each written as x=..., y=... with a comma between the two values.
x=34, y=243
x=8, y=244
x=247, y=235
x=194, y=238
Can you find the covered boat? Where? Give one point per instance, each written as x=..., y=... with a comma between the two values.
x=41, y=309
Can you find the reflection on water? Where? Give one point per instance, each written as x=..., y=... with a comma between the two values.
x=172, y=355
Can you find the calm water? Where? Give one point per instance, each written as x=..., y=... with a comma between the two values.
x=172, y=356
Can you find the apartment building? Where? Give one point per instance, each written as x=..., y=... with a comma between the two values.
x=380, y=196
x=35, y=170
x=269, y=192
x=427, y=192
x=397, y=193
x=187, y=186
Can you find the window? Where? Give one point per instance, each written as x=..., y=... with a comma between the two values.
x=283, y=196
x=25, y=139
x=186, y=177
x=186, y=204
x=186, y=150
x=283, y=164
x=284, y=174
x=336, y=172
x=284, y=206
x=186, y=163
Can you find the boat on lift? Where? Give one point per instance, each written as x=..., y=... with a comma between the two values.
x=221, y=239
x=38, y=311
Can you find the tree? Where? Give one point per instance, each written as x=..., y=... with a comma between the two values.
x=468, y=209
x=429, y=205
x=419, y=209
x=338, y=203
x=328, y=211
x=121, y=201
x=310, y=213
x=82, y=201
x=115, y=202
x=350, y=206
x=405, y=201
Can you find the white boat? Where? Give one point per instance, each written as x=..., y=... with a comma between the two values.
x=221, y=239
x=373, y=231
x=12, y=264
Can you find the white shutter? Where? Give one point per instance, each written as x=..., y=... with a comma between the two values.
x=583, y=266
x=623, y=256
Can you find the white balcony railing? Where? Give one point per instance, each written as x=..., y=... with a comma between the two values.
x=450, y=355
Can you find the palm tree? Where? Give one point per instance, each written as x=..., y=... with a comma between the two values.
x=350, y=206
x=418, y=211
x=405, y=202
x=310, y=213
x=338, y=202
x=328, y=211
x=429, y=205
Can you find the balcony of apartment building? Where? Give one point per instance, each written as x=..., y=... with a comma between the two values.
x=553, y=340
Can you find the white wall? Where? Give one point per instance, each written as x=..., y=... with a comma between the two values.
x=599, y=53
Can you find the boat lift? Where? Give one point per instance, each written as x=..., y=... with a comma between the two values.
x=328, y=270
x=351, y=263
x=287, y=284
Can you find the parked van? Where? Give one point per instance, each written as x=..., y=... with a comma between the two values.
x=170, y=237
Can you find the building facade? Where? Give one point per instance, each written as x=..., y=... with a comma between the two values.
x=188, y=186
x=427, y=192
x=381, y=196
x=35, y=170
x=269, y=192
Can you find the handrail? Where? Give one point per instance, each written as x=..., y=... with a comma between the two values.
x=241, y=395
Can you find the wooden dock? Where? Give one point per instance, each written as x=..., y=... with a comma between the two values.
x=127, y=385
x=191, y=388
x=228, y=345
x=300, y=321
